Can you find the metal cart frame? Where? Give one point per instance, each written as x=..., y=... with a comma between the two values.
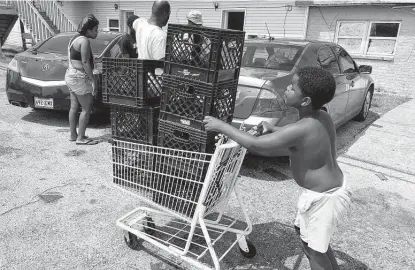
x=188, y=226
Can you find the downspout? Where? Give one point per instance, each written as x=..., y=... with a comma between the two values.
x=305, y=28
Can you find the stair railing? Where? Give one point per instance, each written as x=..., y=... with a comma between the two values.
x=56, y=14
x=33, y=20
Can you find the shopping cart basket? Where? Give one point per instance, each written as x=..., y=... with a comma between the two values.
x=187, y=193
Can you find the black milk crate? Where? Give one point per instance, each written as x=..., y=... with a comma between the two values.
x=178, y=136
x=131, y=82
x=200, y=74
x=203, y=53
x=135, y=124
x=187, y=101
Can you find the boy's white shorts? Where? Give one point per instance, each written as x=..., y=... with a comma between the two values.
x=318, y=215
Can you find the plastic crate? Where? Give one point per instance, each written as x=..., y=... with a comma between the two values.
x=178, y=136
x=187, y=101
x=135, y=124
x=208, y=54
x=203, y=75
x=131, y=82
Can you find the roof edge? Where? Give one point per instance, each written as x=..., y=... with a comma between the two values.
x=351, y=2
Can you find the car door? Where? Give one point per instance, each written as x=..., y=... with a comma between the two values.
x=356, y=84
x=328, y=61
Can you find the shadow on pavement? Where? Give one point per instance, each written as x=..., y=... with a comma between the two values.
x=350, y=132
x=271, y=168
x=48, y=118
x=278, y=247
x=60, y=118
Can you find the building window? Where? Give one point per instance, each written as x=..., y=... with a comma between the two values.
x=368, y=37
x=114, y=25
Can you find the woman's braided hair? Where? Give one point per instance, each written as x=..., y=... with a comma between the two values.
x=87, y=23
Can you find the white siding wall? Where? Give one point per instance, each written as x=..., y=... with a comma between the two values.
x=76, y=10
x=15, y=37
x=258, y=13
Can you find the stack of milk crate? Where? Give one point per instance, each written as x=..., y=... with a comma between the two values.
x=200, y=79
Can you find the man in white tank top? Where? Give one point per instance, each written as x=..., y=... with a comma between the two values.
x=151, y=39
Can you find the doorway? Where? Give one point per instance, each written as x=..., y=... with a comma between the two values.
x=234, y=20
x=127, y=13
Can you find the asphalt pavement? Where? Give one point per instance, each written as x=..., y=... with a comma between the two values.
x=73, y=227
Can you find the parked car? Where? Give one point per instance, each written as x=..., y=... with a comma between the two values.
x=268, y=67
x=36, y=76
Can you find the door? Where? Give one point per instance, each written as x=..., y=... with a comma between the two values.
x=328, y=61
x=234, y=20
x=127, y=14
x=356, y=84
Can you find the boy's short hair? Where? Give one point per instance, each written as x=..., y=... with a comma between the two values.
x=317, y=84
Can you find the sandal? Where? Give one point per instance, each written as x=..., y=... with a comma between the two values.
x=85, y=137
x=87, y=142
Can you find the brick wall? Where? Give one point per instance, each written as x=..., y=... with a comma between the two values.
x=396, y=76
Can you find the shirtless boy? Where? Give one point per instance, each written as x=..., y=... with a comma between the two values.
x=311, y=142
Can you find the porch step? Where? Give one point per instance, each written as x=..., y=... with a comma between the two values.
x=47, y=19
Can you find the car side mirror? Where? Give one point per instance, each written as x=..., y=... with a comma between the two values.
x=364, y=69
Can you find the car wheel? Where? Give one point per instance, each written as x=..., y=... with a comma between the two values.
x=365, y=107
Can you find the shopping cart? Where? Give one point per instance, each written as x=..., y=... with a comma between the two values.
x=188, y=193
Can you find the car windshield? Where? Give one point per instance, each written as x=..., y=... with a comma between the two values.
x=59, y=44
x=271, y=56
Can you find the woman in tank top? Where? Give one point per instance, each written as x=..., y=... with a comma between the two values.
x=80, y=79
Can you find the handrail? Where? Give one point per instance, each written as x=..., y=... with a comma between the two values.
x=55, y=12
x=29, y=14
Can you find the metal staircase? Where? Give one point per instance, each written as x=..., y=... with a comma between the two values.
x=43, y=18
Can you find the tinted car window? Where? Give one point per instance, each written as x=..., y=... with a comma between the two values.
x=271, y=56
x=345, y=61
x=327, y=60
x=59, y=44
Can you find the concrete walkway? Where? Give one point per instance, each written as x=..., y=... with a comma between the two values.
x=387, y=147
x=380, y=167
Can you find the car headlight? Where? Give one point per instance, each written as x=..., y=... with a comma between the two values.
x=269, y=104
x=13, y=65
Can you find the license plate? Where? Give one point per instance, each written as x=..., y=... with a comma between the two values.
x=44, y=103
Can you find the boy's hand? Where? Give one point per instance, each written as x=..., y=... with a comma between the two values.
x=266, y=127
x=213, y=124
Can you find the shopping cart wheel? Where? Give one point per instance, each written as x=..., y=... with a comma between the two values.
x=150, y=226
x=251, y=250
x=133, y=242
